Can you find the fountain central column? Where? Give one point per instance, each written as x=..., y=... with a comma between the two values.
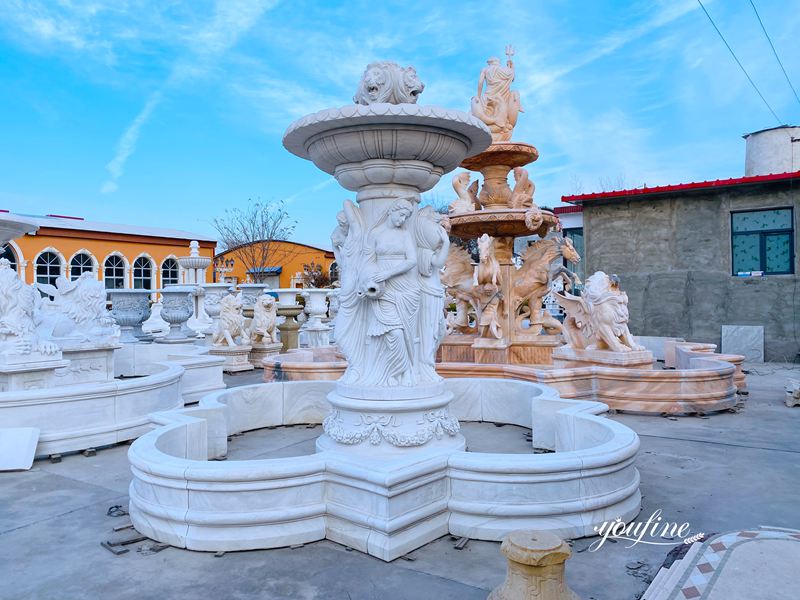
x=390, y=421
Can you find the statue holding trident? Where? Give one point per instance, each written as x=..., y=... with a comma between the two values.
x=498, y=105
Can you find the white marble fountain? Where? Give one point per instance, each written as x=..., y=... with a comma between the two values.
x=67, y=381
x=392, y=471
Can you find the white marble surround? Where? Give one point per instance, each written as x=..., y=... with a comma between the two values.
x=90, y=413
x=385, y=508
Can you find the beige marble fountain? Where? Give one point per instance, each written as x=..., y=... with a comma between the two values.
x=510, y=326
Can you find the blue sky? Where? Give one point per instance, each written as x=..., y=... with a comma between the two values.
x=164, y=113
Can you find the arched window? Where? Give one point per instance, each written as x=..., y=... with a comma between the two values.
x=7, y=252
x=169, y=272
x=48, y=267
x=79, y=264
x=114, y=272
x=142, y=274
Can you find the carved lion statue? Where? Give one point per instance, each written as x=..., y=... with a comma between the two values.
x=18, y=302
x=79, y=308
x=598, y=320
x=231, y=321
x=265, y=316
x=388, y=82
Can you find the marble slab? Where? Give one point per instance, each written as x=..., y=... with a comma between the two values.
x=747, y=340
x=17, y=447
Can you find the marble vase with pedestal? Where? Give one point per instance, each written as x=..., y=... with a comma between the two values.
x=130, y=308
x=177, y=306
x=289, y=309
x=318, y=333
x=390, y=415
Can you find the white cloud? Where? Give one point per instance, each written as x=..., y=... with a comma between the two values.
x=231, y=20
x=127, y=143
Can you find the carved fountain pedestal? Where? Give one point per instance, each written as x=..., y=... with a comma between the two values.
x=503, y=219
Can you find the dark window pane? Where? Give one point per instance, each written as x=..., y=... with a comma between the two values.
x=746, y=253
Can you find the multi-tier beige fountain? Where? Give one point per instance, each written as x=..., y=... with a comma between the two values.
x=509, y=326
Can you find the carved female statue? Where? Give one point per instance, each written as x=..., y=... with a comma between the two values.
x=433, y=247
x=391, y=289
x=350, y=324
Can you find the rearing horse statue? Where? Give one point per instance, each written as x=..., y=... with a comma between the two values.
x=534, y=278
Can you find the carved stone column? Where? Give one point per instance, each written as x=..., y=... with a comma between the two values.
x=535, y=568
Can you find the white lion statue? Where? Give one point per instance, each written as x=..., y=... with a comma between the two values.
x=18, y=303
x=263, y=329
x=79, y=309
x=388, y=82
x=598, y=319
x=231, y=321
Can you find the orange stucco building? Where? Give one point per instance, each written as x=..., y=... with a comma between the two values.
x=286, y=264
x=123, y=256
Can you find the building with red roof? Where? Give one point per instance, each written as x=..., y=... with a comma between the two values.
x=694, y=257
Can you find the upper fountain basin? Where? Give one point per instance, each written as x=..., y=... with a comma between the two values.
x=387, y=143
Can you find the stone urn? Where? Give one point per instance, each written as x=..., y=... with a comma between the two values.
x=177, y=306
x=214, y=293
x=290, y=309
x=250, y=291
x=317, y=332
x=130, y=308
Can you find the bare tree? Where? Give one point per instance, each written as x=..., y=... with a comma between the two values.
x=436, y=202
x=612, y=184
x=251, y=234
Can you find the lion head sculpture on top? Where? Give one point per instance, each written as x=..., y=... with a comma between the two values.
x=388, y=82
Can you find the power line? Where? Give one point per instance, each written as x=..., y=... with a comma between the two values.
x=733, y=54
x=775, y=52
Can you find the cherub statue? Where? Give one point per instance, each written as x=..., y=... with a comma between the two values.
x=231, y=321
x=498, y=105
x=467, y=195
x=264, y=329
x=598, y=319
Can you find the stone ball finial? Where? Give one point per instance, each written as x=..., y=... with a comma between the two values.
x=388, y=82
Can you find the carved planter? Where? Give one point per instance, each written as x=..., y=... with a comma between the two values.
x=130, y=308
x=317, y=332
x=177, y=307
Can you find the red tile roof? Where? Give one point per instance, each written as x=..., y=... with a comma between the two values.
x=684, y=187
x=565, y=210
